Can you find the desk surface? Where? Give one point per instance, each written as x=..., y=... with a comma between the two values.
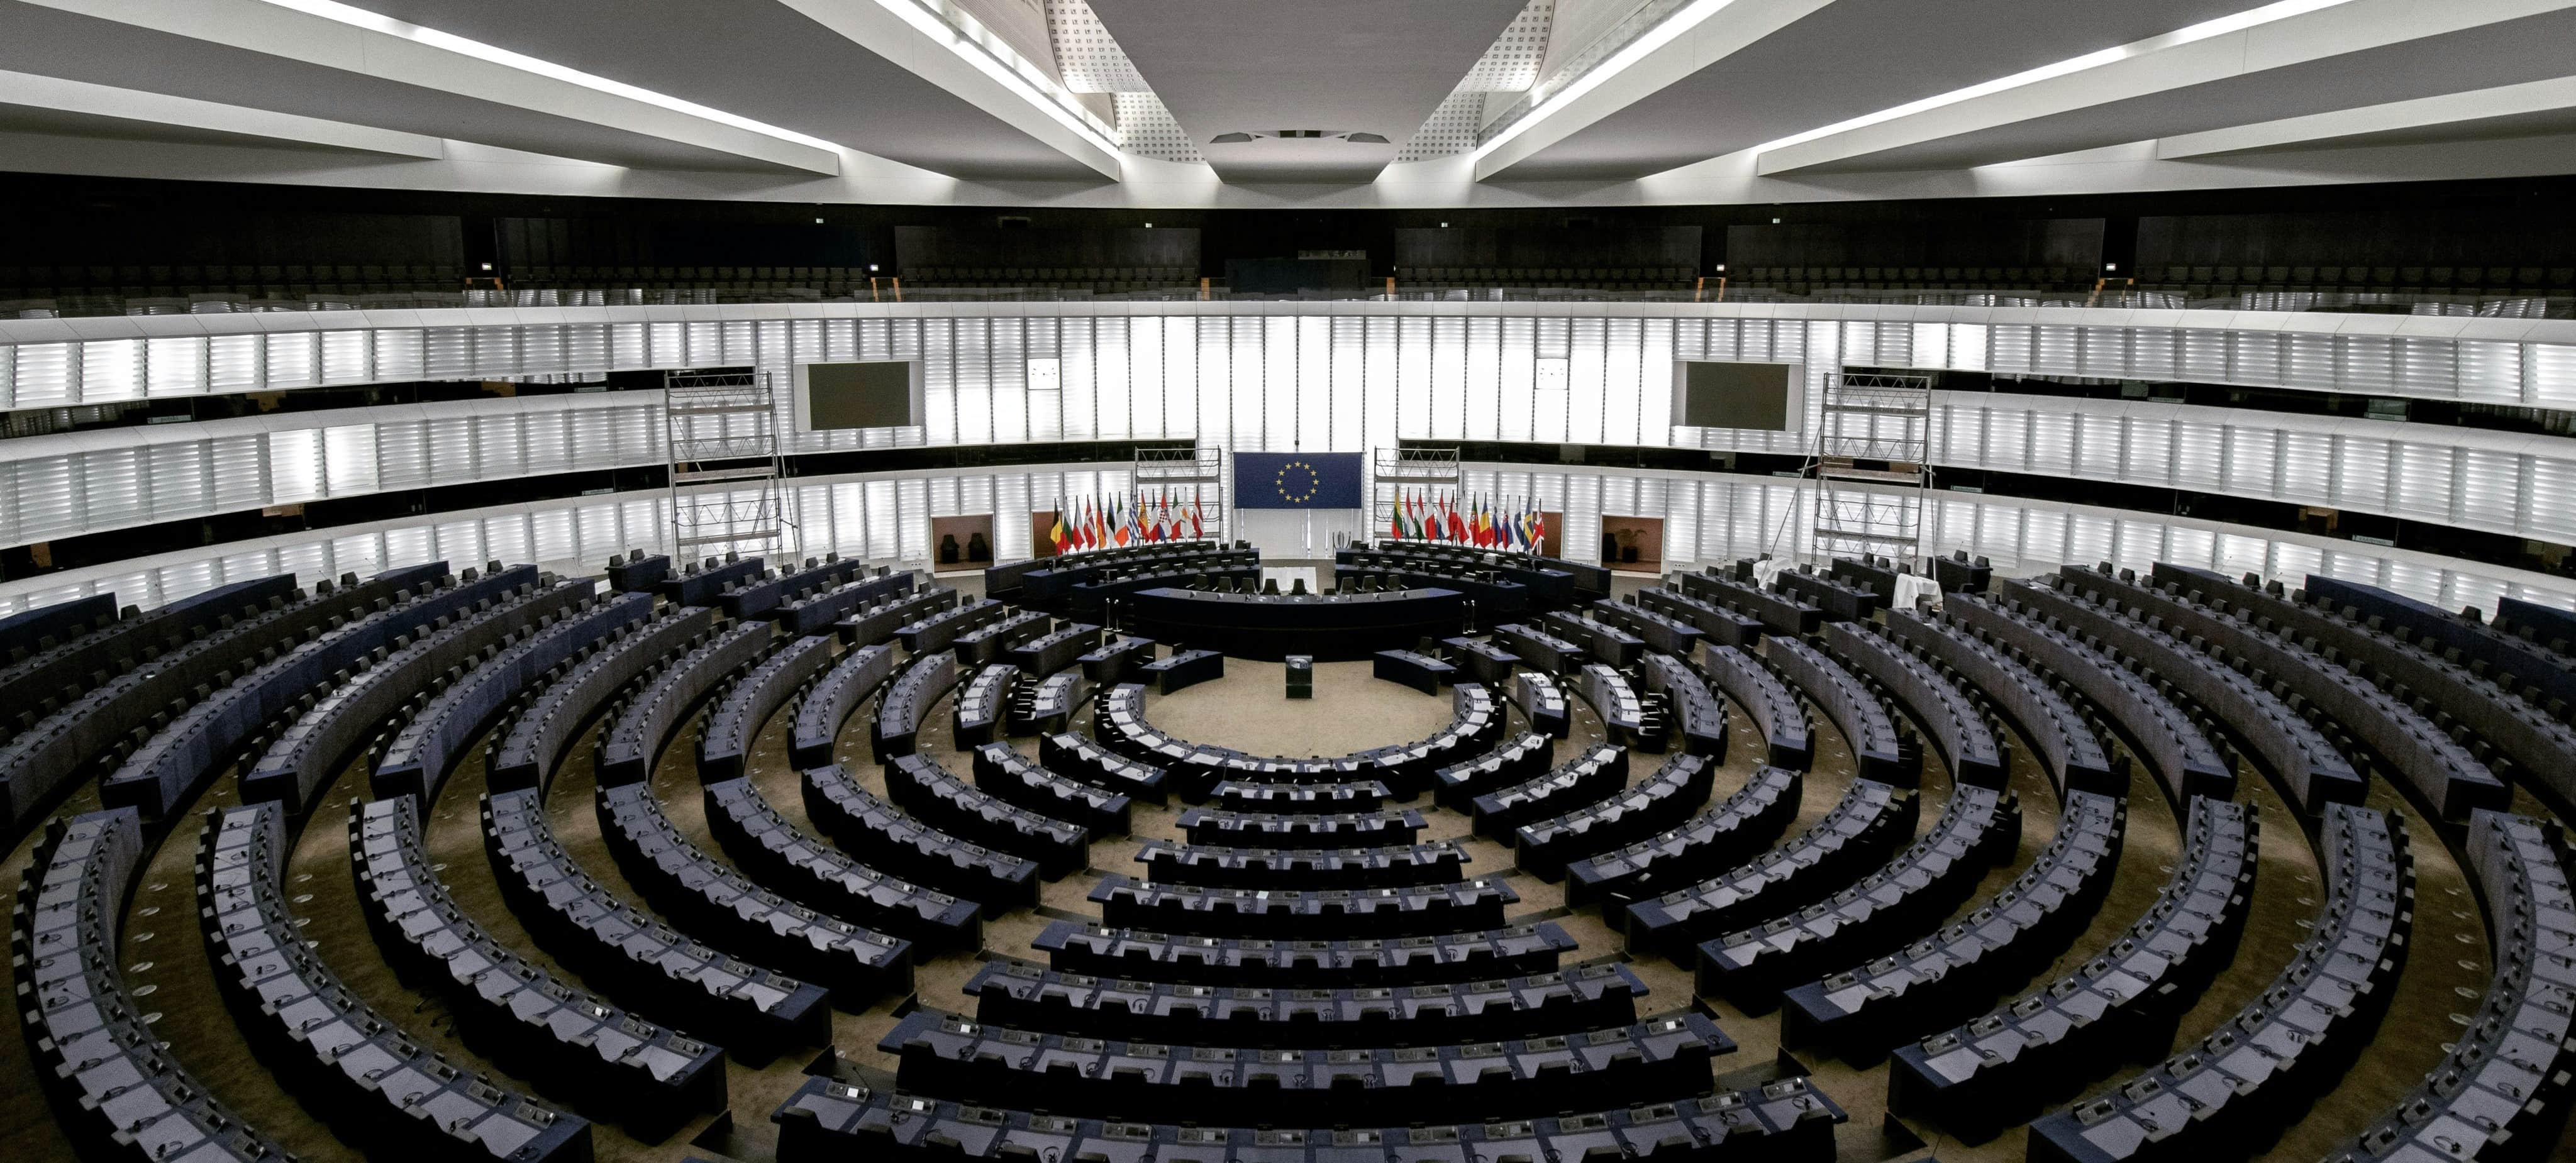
x=1330, y=626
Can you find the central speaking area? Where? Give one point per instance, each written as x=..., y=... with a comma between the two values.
x=1249, y=710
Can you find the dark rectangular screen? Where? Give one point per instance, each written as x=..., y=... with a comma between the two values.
x=1734, y=395
x=869, y=394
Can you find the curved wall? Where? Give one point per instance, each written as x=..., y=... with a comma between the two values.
x=1710, y=518
x=1314, y=376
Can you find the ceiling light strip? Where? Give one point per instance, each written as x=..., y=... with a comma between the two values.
x=980, y=46
x=450, y=42
x=2233, y=22
x=1652, y=26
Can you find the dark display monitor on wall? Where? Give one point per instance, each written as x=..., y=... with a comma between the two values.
x=1767, y=397
x=881, y=393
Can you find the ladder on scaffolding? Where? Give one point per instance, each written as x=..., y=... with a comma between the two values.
x=1872, y=469
x=728, y=466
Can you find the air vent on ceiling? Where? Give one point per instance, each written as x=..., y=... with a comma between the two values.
x=1354, y=136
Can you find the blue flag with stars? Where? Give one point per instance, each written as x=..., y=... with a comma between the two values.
x=1297, y=480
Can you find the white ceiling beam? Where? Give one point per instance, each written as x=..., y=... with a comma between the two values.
x=30, y=91
x=2447, y=109
x=1687, y=42
x=907, y=33
x=329, y=35
x=2300, y=31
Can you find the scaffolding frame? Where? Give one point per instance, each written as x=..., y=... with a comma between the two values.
x=1872, y=465
x=1419, y=466
x=720, y=428
x=1164, y=466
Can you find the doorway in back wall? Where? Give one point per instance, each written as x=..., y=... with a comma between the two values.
x=1632, y=544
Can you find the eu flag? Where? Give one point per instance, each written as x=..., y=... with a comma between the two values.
x=1297, y=480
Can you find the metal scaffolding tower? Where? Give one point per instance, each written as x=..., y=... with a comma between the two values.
x=1430, y=470
x=1873, y=472
x=728, y=467
x=1181, y=471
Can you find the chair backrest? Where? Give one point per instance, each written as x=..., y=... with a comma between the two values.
x=1270, y=586
x=1297, y=586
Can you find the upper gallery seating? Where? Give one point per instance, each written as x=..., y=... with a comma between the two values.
x=1097, y=279
x=1645, y=278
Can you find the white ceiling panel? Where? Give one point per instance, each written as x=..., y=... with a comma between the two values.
x=1840, y=60
x=262, y=56
x=767, y=60
x=2337, y=57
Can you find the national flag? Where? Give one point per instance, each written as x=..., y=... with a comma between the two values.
x=1081, y=527
x=1395, y=520
x=1197, y=531
x=1149, y=531
x=1056, y=533
x=1457, y=522
x=1099, y=524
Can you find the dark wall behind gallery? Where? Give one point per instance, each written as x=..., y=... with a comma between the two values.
x=58, y=221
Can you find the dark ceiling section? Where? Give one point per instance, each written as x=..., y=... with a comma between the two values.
x=48, y=220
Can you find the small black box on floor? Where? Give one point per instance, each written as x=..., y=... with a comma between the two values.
x=1301, y=676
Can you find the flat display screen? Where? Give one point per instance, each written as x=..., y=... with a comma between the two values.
x=1760, y=396
x=884, y=393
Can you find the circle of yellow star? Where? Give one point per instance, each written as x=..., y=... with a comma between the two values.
x=1314, y=482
